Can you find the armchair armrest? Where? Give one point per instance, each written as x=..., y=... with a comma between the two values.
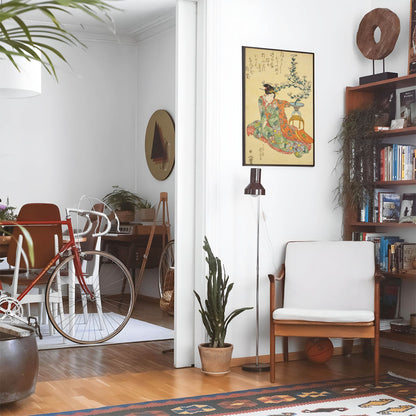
x=273, y=278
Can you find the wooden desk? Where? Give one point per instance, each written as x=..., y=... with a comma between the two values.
x=130, y=248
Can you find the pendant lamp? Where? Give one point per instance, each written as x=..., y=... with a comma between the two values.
x=22, y=83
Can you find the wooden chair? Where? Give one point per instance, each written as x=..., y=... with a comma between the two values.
x=46, y=241
x=330, y=289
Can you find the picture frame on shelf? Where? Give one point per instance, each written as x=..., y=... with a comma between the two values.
x=389, y=207
x=408, y=208
x=278, y=107
x=406, y=105
x=397, y=123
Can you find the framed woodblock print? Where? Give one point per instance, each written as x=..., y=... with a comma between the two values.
x=278, y=107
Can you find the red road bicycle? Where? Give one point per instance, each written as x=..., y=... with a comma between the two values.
x=89, y=295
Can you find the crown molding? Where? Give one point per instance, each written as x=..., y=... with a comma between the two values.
x=154, y=28
x=108, y=33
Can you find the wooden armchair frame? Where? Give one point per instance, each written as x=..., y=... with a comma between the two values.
x=298, y=328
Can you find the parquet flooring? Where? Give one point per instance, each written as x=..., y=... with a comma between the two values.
x=89, y=377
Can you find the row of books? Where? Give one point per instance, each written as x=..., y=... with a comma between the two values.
x=389, y=206
x=392, y=253
x=397, y=162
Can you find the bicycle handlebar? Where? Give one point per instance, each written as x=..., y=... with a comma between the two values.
x=87, y=214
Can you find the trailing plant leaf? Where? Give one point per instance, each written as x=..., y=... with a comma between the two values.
x=18, y=38
x=357, y=155
x=213, y=309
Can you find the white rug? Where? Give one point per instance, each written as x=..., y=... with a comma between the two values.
x=134, y=331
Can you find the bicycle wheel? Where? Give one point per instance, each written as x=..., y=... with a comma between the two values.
x=167, y=261
x=84, y=319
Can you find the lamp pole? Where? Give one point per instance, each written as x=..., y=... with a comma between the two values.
x=256, y=189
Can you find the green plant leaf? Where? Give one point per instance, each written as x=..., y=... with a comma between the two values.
x=21, y=38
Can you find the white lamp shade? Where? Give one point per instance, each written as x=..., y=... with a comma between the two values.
x=20, y=84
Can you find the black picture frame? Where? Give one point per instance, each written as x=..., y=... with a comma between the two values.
x=278, y=107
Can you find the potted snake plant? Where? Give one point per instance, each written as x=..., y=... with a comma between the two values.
x=216, y=354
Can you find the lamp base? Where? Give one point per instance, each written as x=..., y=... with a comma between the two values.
x=254, y=367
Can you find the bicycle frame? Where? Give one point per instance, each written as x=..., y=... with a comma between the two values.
x=70, y=245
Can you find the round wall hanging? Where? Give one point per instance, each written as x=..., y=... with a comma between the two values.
x=160, y=144
x=389, y=25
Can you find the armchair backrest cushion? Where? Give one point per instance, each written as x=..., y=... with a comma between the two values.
x=336, y=275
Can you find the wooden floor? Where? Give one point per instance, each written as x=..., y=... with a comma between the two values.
x=88, y=377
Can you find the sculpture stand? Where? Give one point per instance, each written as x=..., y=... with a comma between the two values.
x=381, y=76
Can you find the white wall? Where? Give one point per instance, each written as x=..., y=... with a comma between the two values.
x=156, y=91
x=78, y=136
x=299, y=200
x=92, y=121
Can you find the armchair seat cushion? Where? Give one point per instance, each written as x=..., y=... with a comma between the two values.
x=323, y=315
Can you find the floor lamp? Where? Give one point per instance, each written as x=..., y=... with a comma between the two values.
x=256, y=189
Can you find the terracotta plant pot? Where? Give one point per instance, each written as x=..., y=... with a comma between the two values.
x=215, y=361
x=145, y=214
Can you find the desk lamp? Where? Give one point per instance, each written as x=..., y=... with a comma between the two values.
x=256, y=189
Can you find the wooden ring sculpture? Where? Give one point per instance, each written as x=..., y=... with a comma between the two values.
x=389, y=25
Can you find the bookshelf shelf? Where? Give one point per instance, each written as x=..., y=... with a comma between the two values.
x=408, y=131
x=361, y=97
x=399, y=82
x=395, y=183
x=408, y=338
x=383, y=224
x=408, y=275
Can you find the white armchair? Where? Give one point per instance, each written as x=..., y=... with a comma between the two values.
x=330, y=289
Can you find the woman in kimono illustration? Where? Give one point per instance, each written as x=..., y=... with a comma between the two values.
x=273, y=127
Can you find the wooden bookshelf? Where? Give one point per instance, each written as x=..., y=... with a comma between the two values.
x=361, y=97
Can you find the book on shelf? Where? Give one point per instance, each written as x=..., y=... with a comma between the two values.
x=389, y=207
x=408, y=255
x=388, y=259
x=385, y=252
x=397, y=162
x=401, y=255
x=408, y=208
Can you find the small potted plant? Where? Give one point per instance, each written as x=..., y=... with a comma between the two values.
x=216, y=355
x=145, y=211
x=123, y=202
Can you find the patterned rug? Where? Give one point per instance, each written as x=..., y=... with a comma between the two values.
x=348, y=397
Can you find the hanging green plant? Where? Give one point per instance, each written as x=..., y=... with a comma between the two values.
x=357, y=154
x=36, y=41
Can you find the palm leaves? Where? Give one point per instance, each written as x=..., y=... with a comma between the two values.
x=218, y=290
x=33, y=41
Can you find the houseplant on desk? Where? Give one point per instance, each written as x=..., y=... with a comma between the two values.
x=123, y=202
x=216, y=355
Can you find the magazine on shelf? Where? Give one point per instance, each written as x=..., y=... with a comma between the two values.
x=389, y=207
x=408, y=208
x=408, y=107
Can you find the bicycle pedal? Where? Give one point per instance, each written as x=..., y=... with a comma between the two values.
x=35, y=325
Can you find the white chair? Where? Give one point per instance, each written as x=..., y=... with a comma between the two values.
x=46, y=240
x=330, y=289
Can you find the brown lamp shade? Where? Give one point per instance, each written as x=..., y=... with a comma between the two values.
x=255, y=187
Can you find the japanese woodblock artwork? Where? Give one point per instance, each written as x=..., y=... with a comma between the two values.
x=278, y=107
